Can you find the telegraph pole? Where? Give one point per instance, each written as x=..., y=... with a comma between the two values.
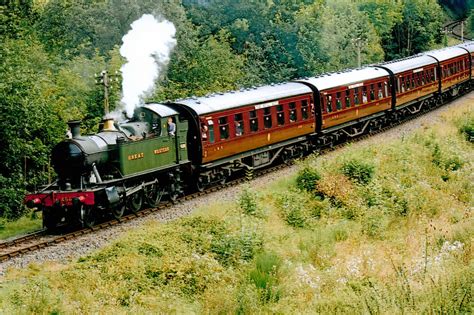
x=358, y=43
x=446, y=32
x=105, y=79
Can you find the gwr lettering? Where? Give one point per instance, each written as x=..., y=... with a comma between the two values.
x=136, y=156
x=161, y=150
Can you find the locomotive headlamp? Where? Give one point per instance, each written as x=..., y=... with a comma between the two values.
x=33, y=202
x=78, y=200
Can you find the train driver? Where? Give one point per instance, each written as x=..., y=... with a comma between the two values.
x=171, y=127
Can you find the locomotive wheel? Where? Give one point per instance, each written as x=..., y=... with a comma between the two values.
x=153, y=194
x=50, y=220
x=118, y=210
x=87, y=216
x=173, y=197
x=135, y=202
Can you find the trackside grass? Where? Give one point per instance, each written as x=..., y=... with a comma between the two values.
x=25, y=224
x=382, y=228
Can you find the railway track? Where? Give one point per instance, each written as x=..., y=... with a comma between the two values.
x=40, y=239
x=454, y=30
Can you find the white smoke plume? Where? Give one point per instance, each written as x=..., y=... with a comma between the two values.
x=147, y=48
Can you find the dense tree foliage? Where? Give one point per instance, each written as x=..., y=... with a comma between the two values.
x=458, y=8
x=51, y=49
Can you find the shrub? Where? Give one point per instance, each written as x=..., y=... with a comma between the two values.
x=447, y=162
x=467, y=129
x=358, y=171
x=231, y=249
x=292, y=210
x=248, y=202
x=373, y=224
x=265, y=277
x=306, y=179
x=339, y=233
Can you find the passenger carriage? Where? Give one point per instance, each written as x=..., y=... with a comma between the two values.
x=247, y=129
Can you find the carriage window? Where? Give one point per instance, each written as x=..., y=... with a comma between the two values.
x=239, y=124
x=372, y=92
x=280, y=115
x=364, y=94
x=253, y=121
x=338, y=101
x=348, y=98
x=224, y=128
x=380, y=92
x=329, y=103
x=267, y=117
x=304, y=109
x=292, y=111
x=386, y=89
x=211, y=131
x=356, y=96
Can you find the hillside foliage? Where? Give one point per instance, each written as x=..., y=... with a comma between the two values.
x=51, y=49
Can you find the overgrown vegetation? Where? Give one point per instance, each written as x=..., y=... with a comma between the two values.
x=399, y=243
x=51, y=50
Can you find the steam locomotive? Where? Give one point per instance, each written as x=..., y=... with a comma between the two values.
x=135, y=163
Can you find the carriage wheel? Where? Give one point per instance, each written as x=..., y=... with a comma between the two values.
x=286, y=157
x=87, y=216
x=200, y=185
x=153, y=194
x=223, y=179
x=135, y=202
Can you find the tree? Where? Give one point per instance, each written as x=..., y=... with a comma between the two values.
x=343, y=28
x=201, y=66
x=418, y=30
x=470, y=24
x=30, y=126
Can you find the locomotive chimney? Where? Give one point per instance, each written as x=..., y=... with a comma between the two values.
x=75, y=126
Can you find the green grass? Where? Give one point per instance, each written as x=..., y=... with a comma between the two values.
x=23, y=225
x=386, y=228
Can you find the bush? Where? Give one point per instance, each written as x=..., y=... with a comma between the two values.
x=231, y=249
x=306, y=179
x=292, y=210
x=467, y=129
x=373, y=224
x=358, y=171
x=248, y=202
x=447, y=162
x=265, y=277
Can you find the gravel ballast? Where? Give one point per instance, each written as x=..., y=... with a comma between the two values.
x=73, y=249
